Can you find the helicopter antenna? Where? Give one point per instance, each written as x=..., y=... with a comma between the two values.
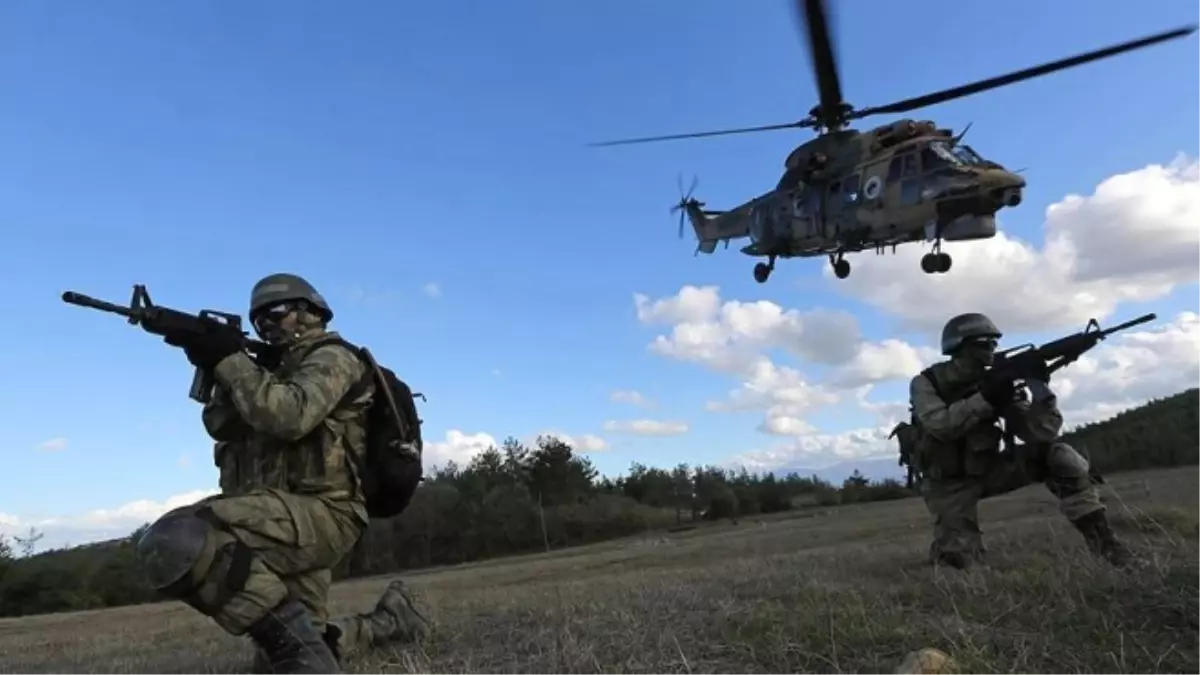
x=959, y=137
x=833, y=113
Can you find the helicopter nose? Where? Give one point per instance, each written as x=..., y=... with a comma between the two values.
x=1007, y=188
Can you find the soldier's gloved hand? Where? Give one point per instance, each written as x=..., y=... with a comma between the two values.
x=268, y=358
x=206, y=351
x=1040, y=391
x=998, y=390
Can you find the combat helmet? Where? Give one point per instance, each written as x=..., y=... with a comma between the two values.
x=964, y=327
x=282, y=287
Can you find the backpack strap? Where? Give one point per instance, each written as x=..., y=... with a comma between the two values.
x=374, y=372
x=381, y=386
x=928, y=375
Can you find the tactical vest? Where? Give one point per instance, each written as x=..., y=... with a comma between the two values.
x=973, y=454
x=324, y=463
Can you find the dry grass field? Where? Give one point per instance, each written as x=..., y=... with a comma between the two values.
x=844, y=589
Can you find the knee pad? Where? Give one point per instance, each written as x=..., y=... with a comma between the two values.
x=1065, y=462
x=175, y=552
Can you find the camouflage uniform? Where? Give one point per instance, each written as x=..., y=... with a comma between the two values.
x=956, y=404
x=290, y=437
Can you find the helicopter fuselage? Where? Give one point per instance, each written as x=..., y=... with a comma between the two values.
x=848, y=191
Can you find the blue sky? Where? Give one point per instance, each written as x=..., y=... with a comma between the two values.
x=195, y=147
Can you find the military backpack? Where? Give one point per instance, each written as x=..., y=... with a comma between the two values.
x=391, y=467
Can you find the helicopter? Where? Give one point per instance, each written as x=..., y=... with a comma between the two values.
x=847, y=190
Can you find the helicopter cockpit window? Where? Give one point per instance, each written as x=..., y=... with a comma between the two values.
x=939, y=154
x=966, y=154
x=932, y=160
x=850, y=189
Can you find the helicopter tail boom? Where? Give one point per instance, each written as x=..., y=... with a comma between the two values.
x=713, y=227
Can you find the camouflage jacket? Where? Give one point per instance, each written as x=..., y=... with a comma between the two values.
x=959, y=428
x=300, y=428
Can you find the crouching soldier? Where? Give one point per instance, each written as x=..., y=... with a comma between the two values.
x=257, y=558
x=956, y=407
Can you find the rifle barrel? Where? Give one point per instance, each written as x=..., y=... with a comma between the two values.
x=82, y=300
x=1131, y=323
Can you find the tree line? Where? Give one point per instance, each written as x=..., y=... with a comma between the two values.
x=518, y=499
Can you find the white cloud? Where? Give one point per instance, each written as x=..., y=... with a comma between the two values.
x=886, y=360
x=140, y=511
x=97, y=524
x=734, y=337
x=728, y=336
x=458, y=447
x=582, y=443
x=432, y=290
x=646, y=427
x=1135, y=238
x=815, y=450
x=631, y=397
x=462, y=447
x=53, y=444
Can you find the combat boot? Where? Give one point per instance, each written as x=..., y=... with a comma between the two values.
x=395, y=620
x=407, y=623
x=288, y=642
x=1101, y=540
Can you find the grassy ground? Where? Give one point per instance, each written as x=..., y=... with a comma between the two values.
x=844, y=589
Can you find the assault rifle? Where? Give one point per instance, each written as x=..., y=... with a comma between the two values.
x=172, y=323
x=1029, y=362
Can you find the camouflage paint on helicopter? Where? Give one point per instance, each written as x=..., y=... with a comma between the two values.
x=847, y=190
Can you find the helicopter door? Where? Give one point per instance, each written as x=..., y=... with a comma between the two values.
x=833, y=209
x=806, y=208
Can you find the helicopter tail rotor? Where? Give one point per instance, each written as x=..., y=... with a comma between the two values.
x=685, y=200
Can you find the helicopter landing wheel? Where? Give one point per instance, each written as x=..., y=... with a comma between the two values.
x=936, y=263
x=762, y=272
x=841, y=269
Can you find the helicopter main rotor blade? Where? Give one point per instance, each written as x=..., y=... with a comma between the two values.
x=1017, y=76
x=820, y=47
x=723, y=132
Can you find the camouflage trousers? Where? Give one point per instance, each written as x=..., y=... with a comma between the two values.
x=954, y=501
x=262, y=547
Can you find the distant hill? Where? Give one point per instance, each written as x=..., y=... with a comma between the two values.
x=1163, y=432
x=875, y=469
